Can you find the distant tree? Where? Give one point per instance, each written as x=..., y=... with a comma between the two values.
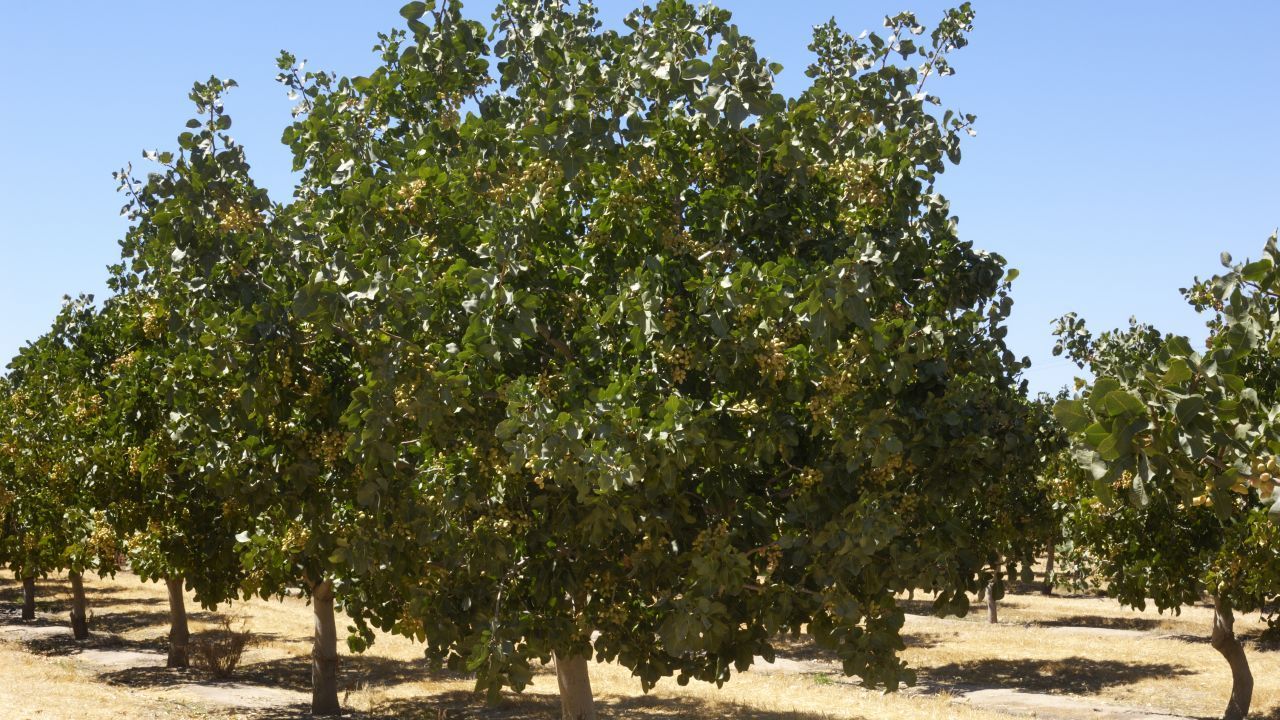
x=1025, y=514
x=10, y=525
x=250, y=396
x=55, y=521
x=1180, y=446
x=177, y=530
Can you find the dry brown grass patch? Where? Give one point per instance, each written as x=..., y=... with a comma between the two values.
x=1085, y=647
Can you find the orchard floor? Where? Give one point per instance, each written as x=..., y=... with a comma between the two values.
x=1063, y=658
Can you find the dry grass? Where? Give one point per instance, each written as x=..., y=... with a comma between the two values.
x=1042, y=644
x=1069, y=645
x=32, y=687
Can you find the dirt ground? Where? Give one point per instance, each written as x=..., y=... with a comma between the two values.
x=1063, y=658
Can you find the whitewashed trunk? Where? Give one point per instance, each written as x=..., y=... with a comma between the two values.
x=576, y=700
x=179, y=633
x=324, y=653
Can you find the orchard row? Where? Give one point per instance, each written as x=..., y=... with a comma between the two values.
x=577, y=344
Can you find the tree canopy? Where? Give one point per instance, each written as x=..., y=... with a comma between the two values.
x=667, y=363
x=1180, y=447
x=573, y=342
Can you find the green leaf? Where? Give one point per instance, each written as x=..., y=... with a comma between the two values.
x=413, y=10
x=1256, y=270
x=1102, y=387
x=1189, y=409
x=1095, y=434
x=1113, y=447
x=1072, y=414
x=1119, y=402
x=1178, y=372
x=1179, y=346
x=1139, y=491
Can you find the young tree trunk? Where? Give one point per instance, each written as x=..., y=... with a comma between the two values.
x=179, y=634
x=324, y=653
x=1048, y=571
x=79, y=607
x=29, y=598
x=573, y=676
x=1225, y=642
x=991, y=602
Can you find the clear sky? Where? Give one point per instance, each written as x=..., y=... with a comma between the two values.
x=1121, y=147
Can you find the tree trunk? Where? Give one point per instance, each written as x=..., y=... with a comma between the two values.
x=79, y=608
x=179, y=633
x=1225, y=642
x=576, y=701
x=991, y=601
x=29, y=598
x=1048, y=571
x=324, y=653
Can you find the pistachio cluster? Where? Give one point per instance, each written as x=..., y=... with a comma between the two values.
x=809, y=477
x=236, y=218
x=829, y=393
x=296, y=537
x=104, y=543
x=410, y=193
x=864, y=193
x=771, y=360
x=677, y=361
x=327, y=447
x=124, y=362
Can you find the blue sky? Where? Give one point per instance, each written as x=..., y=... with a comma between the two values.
x=1121, y=146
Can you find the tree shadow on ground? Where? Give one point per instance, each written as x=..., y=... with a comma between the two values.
x=122, y=621
x=800, y=647
x=291, y=673
x=1263, y=641
x=1100, y=621
x=1073, y=675
x=460, y=705
x=1254, y=641
x=804, y=649
x=977, y=611
x=57, y=589
x=154, y=677
x=65, y=644
x=13, y=616
x=294, y=673
x=1192, y=638
x=53, y=597
x=108, y=621
x=915, y=607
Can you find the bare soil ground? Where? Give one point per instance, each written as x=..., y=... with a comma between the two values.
x=1052, y=658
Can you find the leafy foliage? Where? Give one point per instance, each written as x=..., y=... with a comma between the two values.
x=572, y=341
x=1180, y=446
x=53, y=517
x=655, y=363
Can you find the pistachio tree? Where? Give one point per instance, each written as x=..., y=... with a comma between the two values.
x=1180, y=447
x=1062, y=478
x=653, y=363
x=1026, y=516
x=176, y=529
x=247, y=421
x=10, y=527
x=55, y=521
